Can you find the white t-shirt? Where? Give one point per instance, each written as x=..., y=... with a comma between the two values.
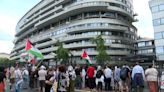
x=42, y=74
x=18, y=74
x=108, y=73
x=151, y=74
x=25, y=72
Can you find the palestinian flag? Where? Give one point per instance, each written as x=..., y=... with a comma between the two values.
x=85, y=57
x=31, y=50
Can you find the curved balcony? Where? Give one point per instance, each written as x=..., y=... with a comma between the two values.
x=86, y=28
x=49, y=43
x=80, y=7
x=88, y=44
x=48, y=49
x=73, y=38
x=109, y=52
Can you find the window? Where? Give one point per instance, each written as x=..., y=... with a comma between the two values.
x=150, y=50
x=163, y=34
x=156, y=22
x=162, y=21
x=161, y=7
x=159, y=50
x=148, y=43
x=158, y=35
x=141, y=44
x=154, y=9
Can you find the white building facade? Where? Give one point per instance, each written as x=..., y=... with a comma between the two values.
x=75, y=23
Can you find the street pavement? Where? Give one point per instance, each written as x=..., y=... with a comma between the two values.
x=36, y=90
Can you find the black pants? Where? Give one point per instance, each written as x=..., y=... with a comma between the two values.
x=91, y=83
x=99, y=86
x=108, y=84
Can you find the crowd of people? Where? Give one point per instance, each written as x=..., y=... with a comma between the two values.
x=68, y=78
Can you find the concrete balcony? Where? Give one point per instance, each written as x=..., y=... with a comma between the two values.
x=42, y=36
x=78, y=53
x=15, y=57
x=48, y=49
x=72, y=38
x=13, y=54
x=23, y=34
x=88, y=44
x=48, y=56
x=45, y=44
x=86, y=28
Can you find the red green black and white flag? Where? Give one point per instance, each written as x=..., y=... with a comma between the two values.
x=85, y=57
x=31, y=50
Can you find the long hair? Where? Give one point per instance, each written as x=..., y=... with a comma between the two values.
x=2, y=73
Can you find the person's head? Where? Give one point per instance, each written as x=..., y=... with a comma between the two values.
x=137, y=63
x=99, y=67
x=62, y=68
x=42, y=67
x=50, y=71
x=2, y=69
x=150, y=66
x=70, y=68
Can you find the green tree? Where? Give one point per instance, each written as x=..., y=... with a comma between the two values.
x=6, y=62
x=62, y=53
x=102, y=56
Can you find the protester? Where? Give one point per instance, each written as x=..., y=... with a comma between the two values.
x=108, y=76
x=48, y=83
x=99, y=79
x=42, y=77
x=91, y=79
x=83, y=77
x=117, y=78
x=18, y=79
x=72, y=77
x=12, y=78
x=138, y=78
x=2, y=79
x=63, y=79
x=25, y=75
x=125, y=78
x=151, y=77
x=78, y=80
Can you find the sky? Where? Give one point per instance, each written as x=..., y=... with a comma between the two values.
x=12, y=10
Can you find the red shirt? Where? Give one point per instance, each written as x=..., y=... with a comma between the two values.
x=90, y=71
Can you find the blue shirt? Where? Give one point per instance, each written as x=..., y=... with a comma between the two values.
x=138, y=69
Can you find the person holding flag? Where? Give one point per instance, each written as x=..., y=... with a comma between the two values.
x=85, y=57
x=33, y=52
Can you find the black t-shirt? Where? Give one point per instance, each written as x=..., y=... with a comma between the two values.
x=77, y=71
x=2, y=76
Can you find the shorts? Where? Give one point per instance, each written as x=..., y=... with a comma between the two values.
x=42, y=83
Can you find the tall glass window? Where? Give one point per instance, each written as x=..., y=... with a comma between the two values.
x=149, y=43
x=161, y=7
x=141, y=44
x=162, y=21
x=154, y=9
x=158, y=35
x=156, y=22
x=159, y=50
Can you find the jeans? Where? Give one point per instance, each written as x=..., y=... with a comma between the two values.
x=108, y=84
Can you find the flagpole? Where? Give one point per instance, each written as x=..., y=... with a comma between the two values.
x=39, y=63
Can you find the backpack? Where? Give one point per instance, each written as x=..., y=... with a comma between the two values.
x=123, y=74
x=98, y=74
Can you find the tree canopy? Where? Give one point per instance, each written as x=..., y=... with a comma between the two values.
x=6, y=62
x=62, y=53
x=102, y=56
